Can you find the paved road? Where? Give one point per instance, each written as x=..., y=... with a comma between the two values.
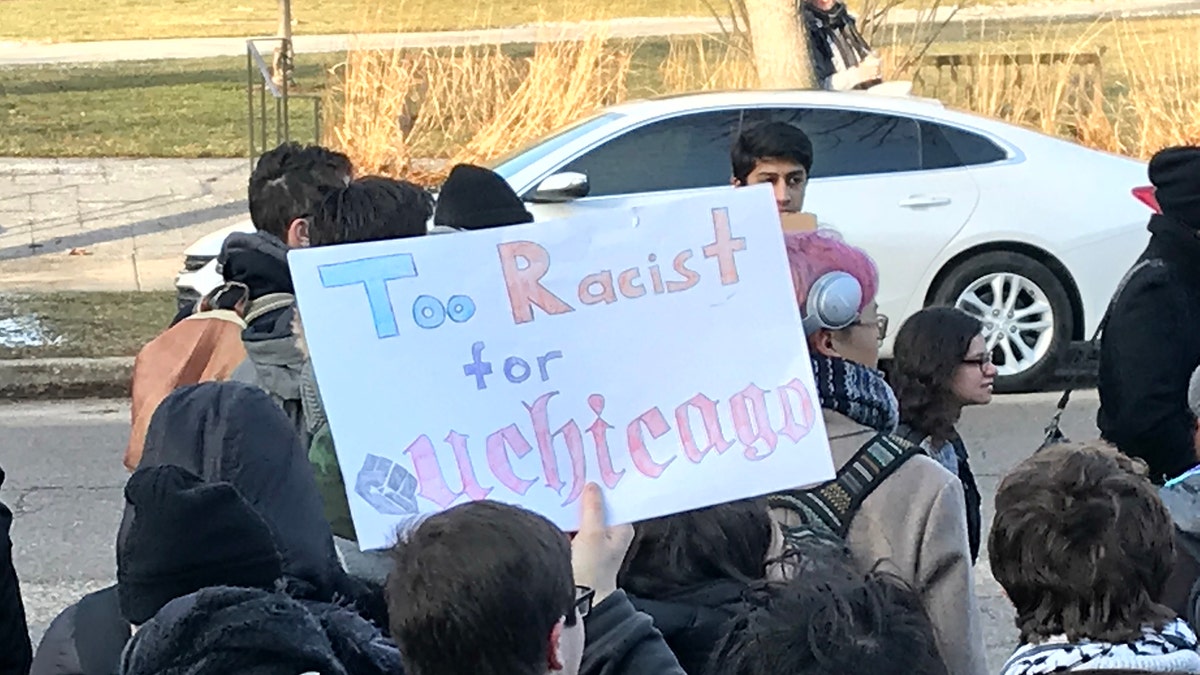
x=27, y=53
x=65, y=477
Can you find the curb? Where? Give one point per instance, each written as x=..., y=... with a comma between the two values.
x=24, y=379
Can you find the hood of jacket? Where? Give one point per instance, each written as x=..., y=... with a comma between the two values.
x=224, y=630
x=233, y=432
x=258, y=260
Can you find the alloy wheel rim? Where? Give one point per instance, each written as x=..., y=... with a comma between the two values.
x=1018, y=320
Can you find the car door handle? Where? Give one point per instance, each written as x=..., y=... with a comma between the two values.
x=920, y=201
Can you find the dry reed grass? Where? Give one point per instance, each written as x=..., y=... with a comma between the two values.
x=475, y=104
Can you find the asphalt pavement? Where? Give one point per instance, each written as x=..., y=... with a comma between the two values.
x=65, y=482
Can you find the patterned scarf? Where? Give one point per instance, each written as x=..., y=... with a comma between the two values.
x=856, y=391
x=1170, y=650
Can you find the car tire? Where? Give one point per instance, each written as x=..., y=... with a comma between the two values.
x=1024, y=353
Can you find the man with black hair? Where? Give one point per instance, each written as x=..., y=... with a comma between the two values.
x=372, y=208
x=15, y=650
x=776, y=153
x=284, y=189
x=829, y=620
x=491, y=589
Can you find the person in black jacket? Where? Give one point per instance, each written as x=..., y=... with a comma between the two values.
x=15, y=650
x=1151, y=343
x=942, y=365
x=688, y=572
x=184, y=535
x=491, y=589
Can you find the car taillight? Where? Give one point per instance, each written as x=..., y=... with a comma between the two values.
x=1146, y=196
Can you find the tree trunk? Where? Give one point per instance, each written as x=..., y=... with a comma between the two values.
x=780, y=45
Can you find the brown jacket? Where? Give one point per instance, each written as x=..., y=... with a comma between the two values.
x=204, y=347
x=913, y=526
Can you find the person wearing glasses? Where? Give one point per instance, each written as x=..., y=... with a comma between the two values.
x=942, y=365
x=489, y=588
x=897, y=510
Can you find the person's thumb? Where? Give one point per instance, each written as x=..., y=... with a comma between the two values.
x=591, y=518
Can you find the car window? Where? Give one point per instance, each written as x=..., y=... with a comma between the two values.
x=690, y=151
x=852, y=142
x=943, y=147
x=510, y=164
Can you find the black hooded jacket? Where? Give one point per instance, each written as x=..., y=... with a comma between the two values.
x=221, y=630
x=228, y=431
x=221, y=431
x=693, y=619
x=15, y=650
x=1149, y=348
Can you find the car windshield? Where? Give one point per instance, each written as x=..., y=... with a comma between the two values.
x=512, y=163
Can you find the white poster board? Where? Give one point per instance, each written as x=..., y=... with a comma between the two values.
x=656, y=351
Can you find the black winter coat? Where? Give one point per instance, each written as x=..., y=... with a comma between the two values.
x=1149, y=348
x=692, y=620
x=85, y=638
x=624, y=641
x=15, y=650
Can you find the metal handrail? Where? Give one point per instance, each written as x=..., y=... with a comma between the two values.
x=266, y=83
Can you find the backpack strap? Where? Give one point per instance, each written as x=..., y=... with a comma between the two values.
x=833, y=504
x=268, y=303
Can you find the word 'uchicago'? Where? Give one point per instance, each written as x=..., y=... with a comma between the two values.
x=748, y=411
x=525, y=263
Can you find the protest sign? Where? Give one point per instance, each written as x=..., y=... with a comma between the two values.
x=656, y=351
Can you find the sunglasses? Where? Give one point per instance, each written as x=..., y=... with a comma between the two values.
x=581, y=607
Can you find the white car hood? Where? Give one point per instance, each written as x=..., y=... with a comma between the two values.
x=209, y=246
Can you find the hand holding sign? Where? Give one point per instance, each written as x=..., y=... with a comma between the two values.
x=664, y=361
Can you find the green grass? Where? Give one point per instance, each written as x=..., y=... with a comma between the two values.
x=84, y=325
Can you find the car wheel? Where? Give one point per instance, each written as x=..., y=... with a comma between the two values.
x=1026, y=314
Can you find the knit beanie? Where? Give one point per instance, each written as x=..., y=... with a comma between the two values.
x=187, y=535
x=475, y=198
x=1175, y=174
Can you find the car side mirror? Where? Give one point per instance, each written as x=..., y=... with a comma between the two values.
x=561, y=187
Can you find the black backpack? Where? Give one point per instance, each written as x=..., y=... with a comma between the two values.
x=826, y=510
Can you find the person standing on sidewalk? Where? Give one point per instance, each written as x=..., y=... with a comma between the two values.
x=841, y=57
x=1151, y=342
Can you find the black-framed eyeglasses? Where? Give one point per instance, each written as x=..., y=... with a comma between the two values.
x=880, y=323
x=582, y=605
x=982, y=361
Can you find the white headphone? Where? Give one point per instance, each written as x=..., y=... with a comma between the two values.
x=833, y=303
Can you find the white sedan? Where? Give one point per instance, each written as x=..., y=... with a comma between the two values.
x=1029, y=232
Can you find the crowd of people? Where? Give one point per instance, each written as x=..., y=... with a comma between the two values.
x=236, y=552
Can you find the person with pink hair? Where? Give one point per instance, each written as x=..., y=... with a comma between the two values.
x=893, y=507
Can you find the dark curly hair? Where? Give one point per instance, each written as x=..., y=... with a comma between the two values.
x=1082, y=545
x=833, y=619
x=929, y=348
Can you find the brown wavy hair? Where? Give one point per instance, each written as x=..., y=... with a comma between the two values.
x=929, y=348
x=1082, y=545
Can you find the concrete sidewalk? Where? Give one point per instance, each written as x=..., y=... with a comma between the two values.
x=110, y=224
x=26, y=53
